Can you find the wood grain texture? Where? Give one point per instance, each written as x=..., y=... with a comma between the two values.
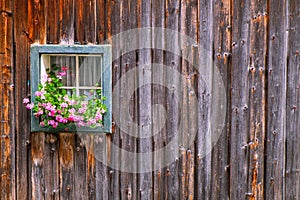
x=276, y=116
x=7, y=119
x=253, y=44
x=66, y=166
x=292, y=179
x=21, y=74
x=220, y=159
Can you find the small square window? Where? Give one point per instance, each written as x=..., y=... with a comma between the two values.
x=88, y=69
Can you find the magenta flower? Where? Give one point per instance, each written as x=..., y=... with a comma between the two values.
x=25, y=100
x=29, y=106
x=42, y=123
x=62, y=74
x=71, y=118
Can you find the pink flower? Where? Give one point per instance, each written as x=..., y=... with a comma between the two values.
x=66, y=98
x=98, y=116
x=29, y=106
x=25, y=100
x=59, y=76
x=64, y=105
x=72, y=110
x=103, y=111
x=81, y=110
x=38, y=93
x=49, y=80
x=44, y=78
x=40, y=112
x=84, y=104
x=53, y=123
x=71, y=118
x=80, y=123
x=64, y=68
x=42, y=124
x=63, y=73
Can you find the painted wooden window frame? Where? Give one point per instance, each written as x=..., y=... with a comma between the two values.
x=36, y=52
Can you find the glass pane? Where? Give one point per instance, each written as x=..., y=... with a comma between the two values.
x=89, y=70
x=67, y=64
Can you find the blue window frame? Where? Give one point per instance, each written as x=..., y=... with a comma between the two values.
x=40, y=57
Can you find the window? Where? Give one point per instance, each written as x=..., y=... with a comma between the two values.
x=89, y=69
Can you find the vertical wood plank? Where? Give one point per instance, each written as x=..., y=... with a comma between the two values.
x=37, y=167
x=80, y=167
x=101, y=169
x=222, y=57
x=113, y=29
x=257, y=97
x=51, y=168
x=159, y=100
x=22, y=116
x=91, y=169
x=85, y=17
x=277, y=84
x=36, y=20
x=203, y=163
x=172, y=21
x=145, y=118
x=240, y=127
x=101, y=20
x=292, y=179
x=66, y=21
x=7, y=119
x=52, y=22
x=66, y=165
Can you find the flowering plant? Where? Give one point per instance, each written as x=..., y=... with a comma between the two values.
x=56, y=109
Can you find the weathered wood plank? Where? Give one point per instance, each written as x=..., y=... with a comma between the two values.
x=91, y=170
x=7, y=119
x=37, y=167
x=219, y=140
x=52, y=9
x=203, y=162
x=21, y=90
x=51, y=168
x=66, y=18
x=145, y=117
x=292, y=179
x=101, y=177
x=80, y=167
x=257, y=98
x=172, y=18
x=36, y=20
x=276, y=101
x=159, y=100
x=113, y=29
x=66, y=166
x=101, y=20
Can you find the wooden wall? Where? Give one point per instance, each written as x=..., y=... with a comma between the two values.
x=255, y=45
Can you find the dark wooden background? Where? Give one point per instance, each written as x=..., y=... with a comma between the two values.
x=255, y=45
